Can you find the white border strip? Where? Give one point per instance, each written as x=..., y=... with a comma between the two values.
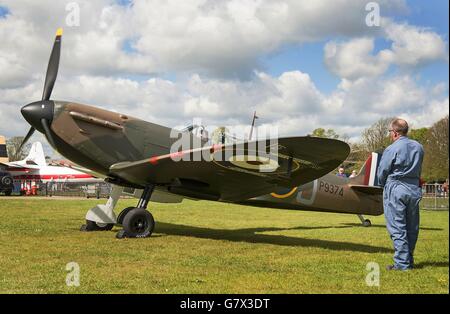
x=373, y=169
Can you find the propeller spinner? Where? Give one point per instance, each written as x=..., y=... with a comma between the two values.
x=40, y=113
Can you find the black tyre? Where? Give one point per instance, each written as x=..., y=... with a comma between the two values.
x=96, y=226
x=138, y=223
x=122, y=214
x=7, y=181
x=367, y=223
x=8, y=192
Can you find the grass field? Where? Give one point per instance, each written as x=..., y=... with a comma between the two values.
x=206, y=247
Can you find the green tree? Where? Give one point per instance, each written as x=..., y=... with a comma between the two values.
x=435, y=164
x=12, y=147
x=319, y=132
x=330, y=133
x=376, y=137
x=420, y=135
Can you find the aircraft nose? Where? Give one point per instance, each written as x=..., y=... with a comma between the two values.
x=36, y=111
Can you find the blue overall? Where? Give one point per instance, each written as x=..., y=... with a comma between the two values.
x=399, y=173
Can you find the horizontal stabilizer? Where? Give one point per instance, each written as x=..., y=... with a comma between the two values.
x=373, y=190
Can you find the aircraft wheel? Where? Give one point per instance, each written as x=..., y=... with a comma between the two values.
x=96, y=226
x=138, y=223
x=123, y=214
x=367, y=223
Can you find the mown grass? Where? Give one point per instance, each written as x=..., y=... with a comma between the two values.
x=207, y=247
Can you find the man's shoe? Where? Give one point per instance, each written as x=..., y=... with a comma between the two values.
x=393, y=267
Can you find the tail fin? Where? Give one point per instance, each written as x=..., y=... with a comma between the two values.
x=3, y=151
x=36, y=155
x=366, y=180
x=367, y=174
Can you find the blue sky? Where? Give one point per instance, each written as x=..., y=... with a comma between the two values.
x=3, y=11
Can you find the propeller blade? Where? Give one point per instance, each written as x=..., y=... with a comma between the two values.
x=48, y=133
x=53, y=65
x=26, y=138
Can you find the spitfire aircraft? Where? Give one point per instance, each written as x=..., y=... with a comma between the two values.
x=135, y=154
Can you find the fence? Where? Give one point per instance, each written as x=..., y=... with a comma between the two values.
x=435, y=196
x=88, y=190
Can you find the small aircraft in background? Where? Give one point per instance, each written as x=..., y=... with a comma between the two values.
x=34, y=167
x=135, y=154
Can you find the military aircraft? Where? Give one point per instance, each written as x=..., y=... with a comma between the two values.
x=135, y=154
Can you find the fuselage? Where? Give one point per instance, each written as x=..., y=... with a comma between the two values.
x=329, y=193
x=57, y=174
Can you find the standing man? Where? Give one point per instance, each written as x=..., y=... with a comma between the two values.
x=399, y=174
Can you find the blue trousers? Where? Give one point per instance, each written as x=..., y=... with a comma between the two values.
x=401, y=211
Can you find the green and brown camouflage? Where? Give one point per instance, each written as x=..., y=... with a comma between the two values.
x=135, y=153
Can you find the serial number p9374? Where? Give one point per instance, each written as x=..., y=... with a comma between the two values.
x=331, y=188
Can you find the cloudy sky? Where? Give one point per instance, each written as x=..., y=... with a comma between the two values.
x=299, y=64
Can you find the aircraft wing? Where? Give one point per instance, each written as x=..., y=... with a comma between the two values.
x=299, y=160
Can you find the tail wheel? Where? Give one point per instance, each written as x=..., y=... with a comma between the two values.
x=138, y=223
x=96, y=226
x=367, y=223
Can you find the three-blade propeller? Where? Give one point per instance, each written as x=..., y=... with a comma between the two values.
x=50, y=78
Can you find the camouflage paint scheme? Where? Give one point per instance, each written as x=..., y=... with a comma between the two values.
x=329, y=193
x=123, y=149
x=134, y=153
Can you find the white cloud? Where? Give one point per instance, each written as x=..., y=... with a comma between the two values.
x=220, y=38
x=415, y=46
x=427, y=115
x=411, y=48
x=353, y=59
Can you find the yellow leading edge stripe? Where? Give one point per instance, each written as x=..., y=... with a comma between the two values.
x=59, y=32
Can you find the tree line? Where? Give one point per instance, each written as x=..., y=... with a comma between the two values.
x=376, y=138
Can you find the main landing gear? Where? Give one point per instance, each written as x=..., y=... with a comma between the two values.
x=137, y=222
x=365, y=222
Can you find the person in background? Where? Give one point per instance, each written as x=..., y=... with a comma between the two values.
x=354, y=174
x=399, y=173
x=341, y=173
